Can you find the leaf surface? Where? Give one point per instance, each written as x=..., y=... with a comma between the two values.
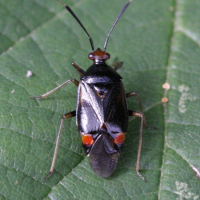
x=158, y=41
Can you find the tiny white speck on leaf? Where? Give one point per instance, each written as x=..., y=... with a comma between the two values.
x=29, y=74
x=164, y=100
x=166, y=86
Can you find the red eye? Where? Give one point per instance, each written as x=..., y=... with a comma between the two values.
x=91, y=56
x=106, y=56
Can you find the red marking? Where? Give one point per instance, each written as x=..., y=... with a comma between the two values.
x=87, y=139
x=119, y=139
x=99, y=54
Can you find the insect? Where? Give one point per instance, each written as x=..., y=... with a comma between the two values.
x=101, y=112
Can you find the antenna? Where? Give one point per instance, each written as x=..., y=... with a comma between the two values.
x=113, y=26
x=76, y=18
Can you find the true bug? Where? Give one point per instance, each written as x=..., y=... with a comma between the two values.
x=101, y=111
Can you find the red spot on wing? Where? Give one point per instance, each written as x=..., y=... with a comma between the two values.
x=87, y=139
x=119, y=139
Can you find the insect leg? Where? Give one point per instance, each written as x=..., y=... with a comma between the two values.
x=48, y=93
x=68, y=115
x=130, y=94
x=80, y=71
x=118, y=66
x=143, y=123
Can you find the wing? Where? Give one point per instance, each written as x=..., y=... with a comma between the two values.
x=89, y=109
x=101, y=103
x=115, y=109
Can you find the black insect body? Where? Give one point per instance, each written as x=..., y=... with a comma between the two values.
x=101, y=111
x=102, y=115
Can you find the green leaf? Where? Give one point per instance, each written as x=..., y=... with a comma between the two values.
x=158, y=41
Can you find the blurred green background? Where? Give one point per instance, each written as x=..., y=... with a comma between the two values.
x=158, y=41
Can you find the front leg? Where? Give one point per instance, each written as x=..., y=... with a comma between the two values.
x=118, y=66
x=50, y=92
x=80, y=71
x=130, y=94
